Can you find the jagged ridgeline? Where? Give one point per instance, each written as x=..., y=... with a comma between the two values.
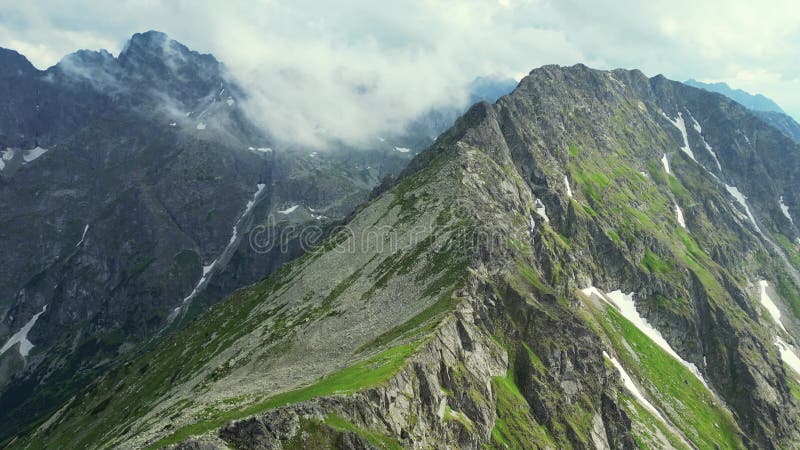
x=598, y=260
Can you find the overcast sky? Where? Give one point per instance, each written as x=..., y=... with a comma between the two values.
x=304, y=58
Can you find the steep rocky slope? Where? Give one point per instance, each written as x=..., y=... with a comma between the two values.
x=598, y=260
x=782, y=122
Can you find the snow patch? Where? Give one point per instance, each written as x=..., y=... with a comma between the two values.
x=313, y=154
x=230, y=101
x=33, y=153
x=207, y=269
x=83, y=236
x=627, y=381
x=785, y=210
x=402, y=149
x=665, y=162
x=260, y=149
x=742, y=201
x=619, y=83
x=679, y=216
x=769, y=305
x=788, y=354
x=201, y=126
x=173, y=124
x=625, y=305
x=680, y=124
x=710, y=149
x=541, y=211
x=566, y=183
x=696, y=125
x=8, y=155
x=250, y=203
x=21, y=336
x=289, y=210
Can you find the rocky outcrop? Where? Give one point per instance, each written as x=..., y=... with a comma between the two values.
x=442, y=398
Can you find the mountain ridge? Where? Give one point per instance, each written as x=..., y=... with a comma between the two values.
x=561, y=198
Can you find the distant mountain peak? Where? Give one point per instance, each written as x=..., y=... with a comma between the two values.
x=88, y=58
x=756, y=102
x=148, y=40
x=159, y=45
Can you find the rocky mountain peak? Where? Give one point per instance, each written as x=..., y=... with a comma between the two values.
x=156, y=48
x=148, y=44
x=13, y=64
x=151, y=61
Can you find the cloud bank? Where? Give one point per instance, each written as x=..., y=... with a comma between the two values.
x=351, y=70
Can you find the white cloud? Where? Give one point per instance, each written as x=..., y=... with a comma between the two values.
x=354, y=69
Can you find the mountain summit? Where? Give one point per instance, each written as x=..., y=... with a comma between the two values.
x=597, y=260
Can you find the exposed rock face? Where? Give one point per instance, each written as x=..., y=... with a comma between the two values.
x=782, y=122
x=515, y=312
x=411, y=404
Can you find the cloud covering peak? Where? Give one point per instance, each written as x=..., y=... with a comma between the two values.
x=319, y=72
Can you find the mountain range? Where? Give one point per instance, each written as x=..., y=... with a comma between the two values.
x=761, y=106
x=130, y=186
x=597, y=259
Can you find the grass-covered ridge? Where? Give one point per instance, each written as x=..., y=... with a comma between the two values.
x=365, y=374
x=514, y=426
x=649, y=432
x=681, y=397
